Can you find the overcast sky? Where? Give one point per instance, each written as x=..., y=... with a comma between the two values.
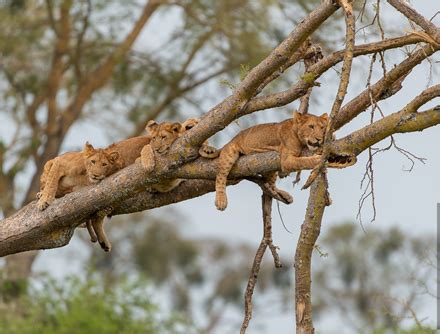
x=406, y=199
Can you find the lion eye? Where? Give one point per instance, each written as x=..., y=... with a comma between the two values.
x=163, y=137
x=104, y=164
x=311, y=126
x=93, y=161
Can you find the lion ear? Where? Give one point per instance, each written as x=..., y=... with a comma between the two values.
x=190, y=123
x=88, y=149
x=151, y=126
x=298, y=116
x=324, y=116
x=114, y=156
x=176, y=127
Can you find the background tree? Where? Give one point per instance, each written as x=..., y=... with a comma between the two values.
x=68, y=63
x=28, y=229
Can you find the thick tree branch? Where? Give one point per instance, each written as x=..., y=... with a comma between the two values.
x=383, y=88
x=308, y=80
x=31, y=229
x=225, y=112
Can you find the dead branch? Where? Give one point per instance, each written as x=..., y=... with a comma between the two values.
x=266, y=241
x=385, y=87
x=300, y=88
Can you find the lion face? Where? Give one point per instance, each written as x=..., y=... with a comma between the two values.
x=165, y=134
x=99, y=163
x=311, y=129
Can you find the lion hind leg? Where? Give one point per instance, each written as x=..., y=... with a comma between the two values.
x=97, y=223
x=228, y=157
x=276, y=193
x=98, y=227
x=93, y=236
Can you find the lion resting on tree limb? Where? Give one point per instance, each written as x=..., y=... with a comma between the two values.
x=289, y=138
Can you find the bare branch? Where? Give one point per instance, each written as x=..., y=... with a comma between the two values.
x=309, y=79
x=383, y=88
x=431, y=29
x=266, y=241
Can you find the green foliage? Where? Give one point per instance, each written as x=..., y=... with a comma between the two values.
x=78, y=307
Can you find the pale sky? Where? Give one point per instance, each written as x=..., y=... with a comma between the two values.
x=402, y=198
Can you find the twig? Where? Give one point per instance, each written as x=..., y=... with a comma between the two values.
x=347, y=6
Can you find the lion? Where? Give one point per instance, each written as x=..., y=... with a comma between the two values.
x=159, y=138
x=74, y=170
x=289, y=138
x=205, y=151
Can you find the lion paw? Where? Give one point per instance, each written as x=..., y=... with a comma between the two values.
x=221, y=202
x=209, y=152
x=286, y=197
x=43, y=204
x=106, y=246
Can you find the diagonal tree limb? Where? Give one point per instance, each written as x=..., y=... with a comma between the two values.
x=381, y=88
x=300, y=88
x=32, y=229
x=228, y=110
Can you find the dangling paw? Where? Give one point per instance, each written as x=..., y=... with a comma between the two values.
x=221, y=201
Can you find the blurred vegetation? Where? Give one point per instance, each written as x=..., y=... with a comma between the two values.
x=174, y=72
x=76, y=306
x=374, y=279
x=201, y=278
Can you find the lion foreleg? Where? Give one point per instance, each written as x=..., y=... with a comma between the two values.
x=290, y=163
x=228, y=157
x=148, y=160
x=50, y=187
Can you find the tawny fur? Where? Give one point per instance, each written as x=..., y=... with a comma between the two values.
x=205, y=151
x=166, y=134
x=74, y=170
x=288, y=138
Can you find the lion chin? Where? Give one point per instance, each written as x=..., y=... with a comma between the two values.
x=94, y=180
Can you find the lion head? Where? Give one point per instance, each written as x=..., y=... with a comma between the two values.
x=100, y=163
x=163, y=134
x=311, y=129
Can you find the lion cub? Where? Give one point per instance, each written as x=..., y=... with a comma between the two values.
x=288, y=138
x=73, y=170
x=166, y=134
x=159, y=138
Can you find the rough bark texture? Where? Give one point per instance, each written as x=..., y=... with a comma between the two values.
x=310, y=230
x=31, y=229
x=124, y=192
